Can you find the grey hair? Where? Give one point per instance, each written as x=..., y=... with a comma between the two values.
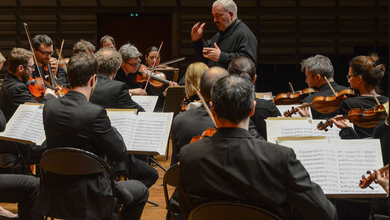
x=109, y=60
x=228, y=5
x=318, y=64
x=41, y=39
x=129, y=52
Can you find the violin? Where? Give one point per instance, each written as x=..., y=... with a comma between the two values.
x=325, y=104
x=59, y=90
x=290, y=98
x=367, y=118
x=157, y=79
x=207, y=133
x=365, y=182
x=36, y=88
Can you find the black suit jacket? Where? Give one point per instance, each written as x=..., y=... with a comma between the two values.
x=232, y=165
x=15, y=92
x=72, y=121
x=264, y=109
x=112, y=94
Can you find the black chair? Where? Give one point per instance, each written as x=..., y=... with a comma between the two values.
x=74, y=164
x=226, y=210
x=171, y=178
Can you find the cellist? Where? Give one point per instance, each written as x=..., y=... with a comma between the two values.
x=316, y=69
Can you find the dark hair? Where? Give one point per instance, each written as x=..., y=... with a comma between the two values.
x=318, y=64
x=17, y=57
x=232, y=98
x=41, y=39
x=81, y=68
x=208, y=78
x=369, y=68
x=151, y=49
x=244, y=67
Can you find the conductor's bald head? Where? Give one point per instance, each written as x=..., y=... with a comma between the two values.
x=209, y=77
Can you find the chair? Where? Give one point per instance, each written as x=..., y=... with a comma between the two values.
x=71, y=164
x=224, y=210
x=11, y=161
x=171, y=177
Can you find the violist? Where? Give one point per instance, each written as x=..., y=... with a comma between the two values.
x=193, y=74
x=152, y=56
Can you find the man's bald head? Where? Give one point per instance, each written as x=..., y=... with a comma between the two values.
x=209, y=77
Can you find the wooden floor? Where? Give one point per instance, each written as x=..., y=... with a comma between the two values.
x=156, y=195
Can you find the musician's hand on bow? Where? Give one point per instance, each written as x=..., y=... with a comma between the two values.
x=137, y=91
x=50, y=91
x=171, y=84
x=304, y=112
x=197, y=31
x=212, y=53
x=344, y=123
x=383, y=179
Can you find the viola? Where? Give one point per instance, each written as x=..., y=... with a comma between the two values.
x=290, y=98
x=157, y=79
x=365, y=118
x=366, y=181
x=207, y=133
x=36, y=87
x=325, y=104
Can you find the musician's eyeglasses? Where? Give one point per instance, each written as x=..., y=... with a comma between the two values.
x=31, y=67
x=44, y=53
x=349, y=76
x=134, y=64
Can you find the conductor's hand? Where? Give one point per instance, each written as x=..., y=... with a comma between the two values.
x=212, y=53
x=304, y=112
x=197, y=31
x=340, y=123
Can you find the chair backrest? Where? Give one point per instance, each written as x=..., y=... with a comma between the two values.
x=75, y=162
x=171, y=177
x=224, y=210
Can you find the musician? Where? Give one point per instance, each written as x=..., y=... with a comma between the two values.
x=129, y=70
x=233, y=39
x=152, y=56
x=78, y=47
x=111, y=93
x=221, y=166
x=316, y=69
x=43, y=50
x=107, y=41
x=193, y=74
x=365, y=74
x=72, y=121
x=245, y=67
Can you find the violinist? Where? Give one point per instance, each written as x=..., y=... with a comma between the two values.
x=43, y=50
x=152, y=56
x=316, y=69
x=107, y=41
x=129, y=70
x=111, y=93
x=245, y=67
x=221, y=166
x=365, y=74
x=193, y=74
x=14, y=91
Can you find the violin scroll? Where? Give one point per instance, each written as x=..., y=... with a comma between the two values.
x=366, y=181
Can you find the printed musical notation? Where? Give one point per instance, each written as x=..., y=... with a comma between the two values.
x=148, y=102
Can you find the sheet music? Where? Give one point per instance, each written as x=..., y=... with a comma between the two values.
x=148, y=102
x=145, y=132
x=26, y=124
x=297, y=127
x=338, y=165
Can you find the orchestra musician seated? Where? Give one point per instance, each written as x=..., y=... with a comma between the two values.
x=221, y=166
x=152, y=57
x=107, y=41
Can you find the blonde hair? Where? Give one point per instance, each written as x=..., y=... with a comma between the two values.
x=193, y=75
x=2, y=58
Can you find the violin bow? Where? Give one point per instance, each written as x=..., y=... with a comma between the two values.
x=203, y=102
x=376, y=99
x=291, y=87
x=25, y=25
x=59, y=55
x=154, y=64
x=85, y=46
x=171, y=61
x=331, y=87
